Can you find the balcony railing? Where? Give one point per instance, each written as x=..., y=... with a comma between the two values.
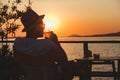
x=85, y=44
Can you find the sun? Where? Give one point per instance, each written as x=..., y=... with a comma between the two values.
x=50, y=23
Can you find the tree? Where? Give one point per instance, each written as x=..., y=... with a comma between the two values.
x=9, y=14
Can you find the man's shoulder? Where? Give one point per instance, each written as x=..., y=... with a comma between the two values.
x=33, y=41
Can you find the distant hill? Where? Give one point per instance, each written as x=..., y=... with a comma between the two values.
x=108, y=34
x=97, y=35
x=74, y=35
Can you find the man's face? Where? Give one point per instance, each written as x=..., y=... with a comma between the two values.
x=38, y=27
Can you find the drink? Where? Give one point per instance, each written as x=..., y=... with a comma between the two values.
x=47, y=34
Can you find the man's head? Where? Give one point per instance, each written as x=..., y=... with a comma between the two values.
x=33, y=23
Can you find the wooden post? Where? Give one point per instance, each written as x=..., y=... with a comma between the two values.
x=85, y=47
x=118, y=69
x=86, y=55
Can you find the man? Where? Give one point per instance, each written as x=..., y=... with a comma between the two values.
x=36, y=56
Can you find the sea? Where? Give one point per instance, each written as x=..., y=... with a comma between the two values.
x=75, y=51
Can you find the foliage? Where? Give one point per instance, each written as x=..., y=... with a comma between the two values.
x=9, y=14
x=9, y=70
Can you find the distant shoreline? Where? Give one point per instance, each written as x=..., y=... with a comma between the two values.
x=117, y=34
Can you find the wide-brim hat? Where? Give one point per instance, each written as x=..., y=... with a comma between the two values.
x=29, y=18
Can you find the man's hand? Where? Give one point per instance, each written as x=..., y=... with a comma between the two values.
x=54, y=37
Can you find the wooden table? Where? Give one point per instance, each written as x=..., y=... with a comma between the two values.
x=104, y=60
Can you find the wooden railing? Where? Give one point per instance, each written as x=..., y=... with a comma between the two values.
x=85, y=44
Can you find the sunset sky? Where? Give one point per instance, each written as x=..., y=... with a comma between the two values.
x=83, y=17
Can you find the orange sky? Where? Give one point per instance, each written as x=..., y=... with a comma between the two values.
x=84, y=17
